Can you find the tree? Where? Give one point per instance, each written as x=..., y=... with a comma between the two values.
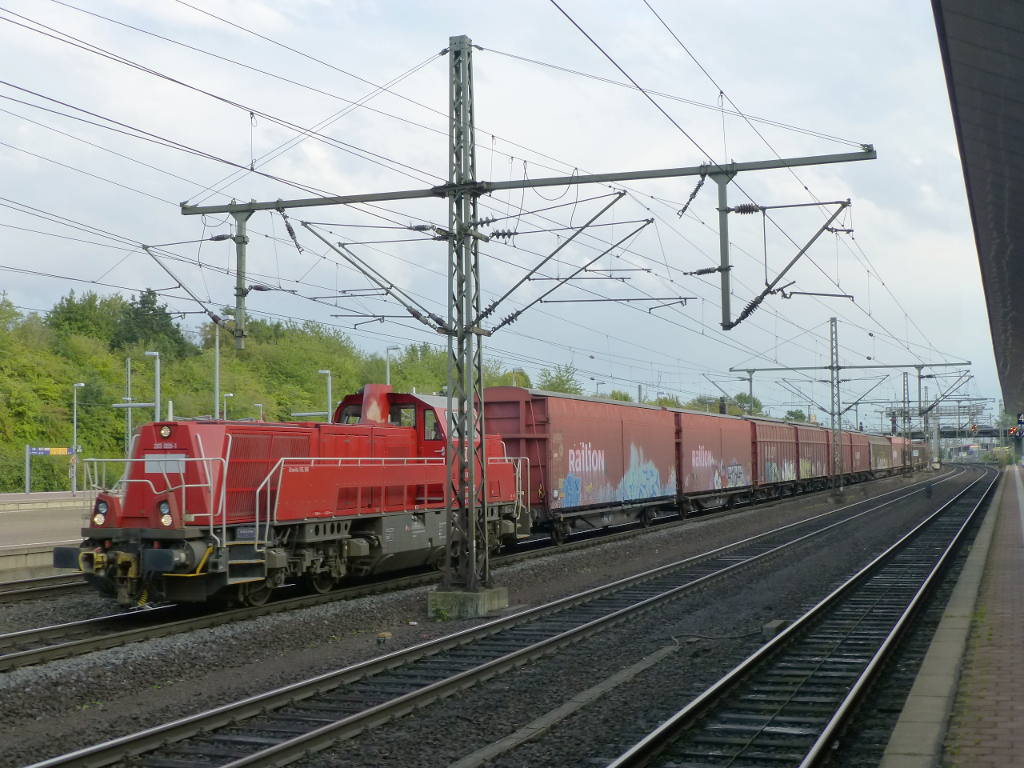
x=708, y=403
x=668, y=401
x=90, y=315
x=748, y=404
x=795, y=415
x=618, y=394
x=147, y=322
x=561, y=378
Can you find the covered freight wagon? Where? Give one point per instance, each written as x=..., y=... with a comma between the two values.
x=814, y=458
x=715, y=457
x=592, y=462
x=881, y=453
x=774, y=451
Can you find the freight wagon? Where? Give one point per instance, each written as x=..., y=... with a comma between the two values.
x=595, y=463
x=592, y=463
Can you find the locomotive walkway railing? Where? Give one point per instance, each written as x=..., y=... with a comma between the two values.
x=268, y=497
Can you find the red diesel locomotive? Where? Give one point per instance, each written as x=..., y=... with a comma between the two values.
x=230, y=510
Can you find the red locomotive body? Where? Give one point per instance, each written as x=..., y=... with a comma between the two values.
x=234, y=509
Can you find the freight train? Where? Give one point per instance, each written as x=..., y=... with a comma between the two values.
x=226, y=511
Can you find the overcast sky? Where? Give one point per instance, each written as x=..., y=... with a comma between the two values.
x=813, y=79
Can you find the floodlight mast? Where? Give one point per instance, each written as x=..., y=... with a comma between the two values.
x=468, y=564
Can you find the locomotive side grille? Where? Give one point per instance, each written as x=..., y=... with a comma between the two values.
x=253, y=455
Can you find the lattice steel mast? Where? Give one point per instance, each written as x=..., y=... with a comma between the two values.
x=835, y=408
x=468, y=564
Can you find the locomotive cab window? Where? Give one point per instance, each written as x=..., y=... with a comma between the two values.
x=403, y=415
x=431, y=426
x=351, y=414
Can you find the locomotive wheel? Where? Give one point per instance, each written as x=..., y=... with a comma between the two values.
x=254, y=593
x=318, y=583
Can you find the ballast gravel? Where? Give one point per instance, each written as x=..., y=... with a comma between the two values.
x=68, y=704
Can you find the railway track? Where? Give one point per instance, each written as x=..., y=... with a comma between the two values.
x=785, y=703
x=35, y=646
x=45, y=586
x=280, y=726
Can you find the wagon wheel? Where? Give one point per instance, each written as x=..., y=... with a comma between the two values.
x=559, y=533
x=646, y=518
x=319, y=583
x=254, y=593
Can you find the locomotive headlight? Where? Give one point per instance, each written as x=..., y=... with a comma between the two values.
x=165, y=520
x=165, y=431
x=101, y=507
x=99, y=518
x=164, y=507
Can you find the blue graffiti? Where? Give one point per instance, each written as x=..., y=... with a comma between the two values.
x=571, y=491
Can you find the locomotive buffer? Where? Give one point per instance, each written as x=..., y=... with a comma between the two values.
x=467, y=588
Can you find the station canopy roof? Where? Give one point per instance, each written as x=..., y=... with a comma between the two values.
x=982, y=45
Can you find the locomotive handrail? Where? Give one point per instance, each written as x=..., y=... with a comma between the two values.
x=278, y=469
x=93, y=467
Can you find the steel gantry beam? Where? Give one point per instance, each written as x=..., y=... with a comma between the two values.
x=467, y=563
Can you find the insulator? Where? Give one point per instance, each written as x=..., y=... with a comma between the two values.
x=503, y=234
x=747, y=208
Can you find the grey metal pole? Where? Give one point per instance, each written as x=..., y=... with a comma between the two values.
x=28, y=468
x=387, y=370
x=241, y=289
x=750, y=390
x=216, y=371
x=127, y=399
x=330, y=396
x=226, y=396
x=156, y=384
x=74, y=436
x=722, y=180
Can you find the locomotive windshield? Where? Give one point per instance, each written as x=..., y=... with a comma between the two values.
x=351, y=414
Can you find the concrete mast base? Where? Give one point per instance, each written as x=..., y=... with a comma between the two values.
x=466, y=605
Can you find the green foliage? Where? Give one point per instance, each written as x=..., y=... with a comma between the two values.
x=86, y=338
x=796, y=415
x=745, y=402
x=669, y=401
x=706, y=403
x=146, y=322
x=90, y=315
x=618, y=394
x=561, y=378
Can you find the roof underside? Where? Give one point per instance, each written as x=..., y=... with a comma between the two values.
x=982, y=44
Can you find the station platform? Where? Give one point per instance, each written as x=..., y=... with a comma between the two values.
x=31, y=524
x=966, y=708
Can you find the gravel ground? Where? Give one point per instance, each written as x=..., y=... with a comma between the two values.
x=714, y=630
x=72, y=703
x=30, y=614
